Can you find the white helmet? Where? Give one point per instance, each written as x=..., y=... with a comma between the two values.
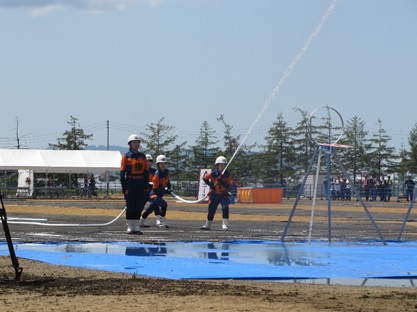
x=133, y=137
x=149, y=157
x=221, y=160
x=161, y=159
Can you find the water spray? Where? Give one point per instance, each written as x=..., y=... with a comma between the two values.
x=285, y=76
x=277, y=88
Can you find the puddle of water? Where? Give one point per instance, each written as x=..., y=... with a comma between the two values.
x=381, y=282
x=345, y=263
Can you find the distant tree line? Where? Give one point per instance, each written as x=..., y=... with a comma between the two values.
x=282, y=159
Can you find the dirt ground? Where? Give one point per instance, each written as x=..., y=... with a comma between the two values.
x=44, y=287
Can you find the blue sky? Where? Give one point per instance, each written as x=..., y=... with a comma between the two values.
x=133, y=62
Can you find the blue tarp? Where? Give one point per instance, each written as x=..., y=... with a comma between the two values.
x=254, y=260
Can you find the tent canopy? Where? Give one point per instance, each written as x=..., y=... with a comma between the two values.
x=60, y=161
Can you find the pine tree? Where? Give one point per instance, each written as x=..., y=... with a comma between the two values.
x=158, y=139
x=409, y=158
x=73, y=139
x=302, y=145
x=279, y=162
x=355, y=158
x=240, y=166
x=178, y=163
x=382, y=158
x=204, y=153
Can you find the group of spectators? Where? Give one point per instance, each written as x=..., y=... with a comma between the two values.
x=371, y=188
x=374, y=188
x=377, y=187
x=89, y=187
x=339, y=188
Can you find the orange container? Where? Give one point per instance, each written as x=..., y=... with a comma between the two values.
x=259, y=195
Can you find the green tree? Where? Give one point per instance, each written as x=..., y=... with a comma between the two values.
x=325, y=126
x=158, y=139
x=205, y=151
x=403, y=168
x=382, y=158
x=355, y=158
x=409, y=158
x=178, y=163
x=278, y=158
x=73, y=139
x=302, y=145
x=239, y=165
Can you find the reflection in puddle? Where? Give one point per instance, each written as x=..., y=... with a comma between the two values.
x=344, y=263
x=382, y=282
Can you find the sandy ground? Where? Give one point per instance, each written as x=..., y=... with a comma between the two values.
x=44, y=287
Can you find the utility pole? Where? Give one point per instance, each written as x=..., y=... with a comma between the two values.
x=17, y=133
x=108, y=148
x=108, y=134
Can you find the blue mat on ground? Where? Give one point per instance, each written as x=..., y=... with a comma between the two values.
x=252, y=260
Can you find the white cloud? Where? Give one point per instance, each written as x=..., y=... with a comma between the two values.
x=44, y=7
x=45, y=10
x=155, y=2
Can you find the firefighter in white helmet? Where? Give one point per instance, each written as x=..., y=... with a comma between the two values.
x=219, y=182
x=161, y=185
x=134, y=177
x=152, y=171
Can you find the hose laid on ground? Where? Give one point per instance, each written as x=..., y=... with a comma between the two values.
x=188, y=201
x=12, y=220
x=26, y=219
x=16, y=220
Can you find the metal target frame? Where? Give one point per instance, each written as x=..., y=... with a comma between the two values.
x=329, y=149
x=310, y=118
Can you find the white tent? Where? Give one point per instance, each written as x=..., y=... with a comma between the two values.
x=60, y=161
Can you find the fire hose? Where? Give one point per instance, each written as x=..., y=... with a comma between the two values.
x=15, y=221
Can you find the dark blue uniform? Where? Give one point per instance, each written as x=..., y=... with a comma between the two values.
x=219, y=184
x=134, y=177
x=157, y=204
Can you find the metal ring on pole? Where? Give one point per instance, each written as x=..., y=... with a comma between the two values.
x=310, y=118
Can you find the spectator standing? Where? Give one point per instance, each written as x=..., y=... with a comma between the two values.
x=337, y=187
x=332, y=189
x=380, y=186
x=85, y=189
x=409, y=188
x=343, y=190
x=348, y=190
x=365, y=184
x=388, y=188
x=92, y=187
x=372, y=189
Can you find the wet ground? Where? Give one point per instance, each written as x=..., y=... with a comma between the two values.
x=237, y=260
x=253, y=248
x=349, y=222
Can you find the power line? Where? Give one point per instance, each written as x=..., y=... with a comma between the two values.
x=43, y=139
